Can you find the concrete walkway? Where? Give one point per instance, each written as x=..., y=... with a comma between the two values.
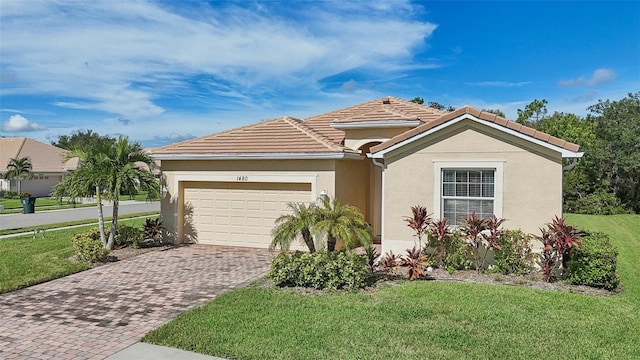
x=100, y=312
x=17, y=221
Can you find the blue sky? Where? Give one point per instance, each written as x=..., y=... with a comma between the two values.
x=164, y=71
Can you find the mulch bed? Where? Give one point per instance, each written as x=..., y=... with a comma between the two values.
x=534, y=281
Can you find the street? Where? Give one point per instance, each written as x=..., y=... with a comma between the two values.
x=17, y=221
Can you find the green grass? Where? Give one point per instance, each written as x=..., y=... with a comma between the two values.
x=422, y=319
x=14, y=206
x=25, y=261
x=73, y=223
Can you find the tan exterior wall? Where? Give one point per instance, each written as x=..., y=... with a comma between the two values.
x=352, y=183
x=355, y=138
x=531, y=178
x=318, y=173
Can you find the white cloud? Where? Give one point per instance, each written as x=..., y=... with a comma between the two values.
x=599, y=77
x=121, y=57
x=18, y=123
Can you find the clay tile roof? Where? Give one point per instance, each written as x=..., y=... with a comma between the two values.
x=313, y=134
x=44, y=158
x=374, y=110
x=281, y=135
x=381, y=114
x=481, y=115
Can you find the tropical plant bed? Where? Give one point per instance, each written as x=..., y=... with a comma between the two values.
x=535, y=281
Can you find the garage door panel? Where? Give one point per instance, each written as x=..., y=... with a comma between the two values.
x=240, y=214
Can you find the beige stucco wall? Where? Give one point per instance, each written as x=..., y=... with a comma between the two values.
x=319, y=173
x=532, y=178
x=352, y=183
x=355, y=138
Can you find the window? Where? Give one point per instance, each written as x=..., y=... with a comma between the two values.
x=467, y=190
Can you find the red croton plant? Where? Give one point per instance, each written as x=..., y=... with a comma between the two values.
x=557, y=240
x=419, y=222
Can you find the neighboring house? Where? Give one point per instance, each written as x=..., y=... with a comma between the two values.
x=48, y=166
x=383, y=156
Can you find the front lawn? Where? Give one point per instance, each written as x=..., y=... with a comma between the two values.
x=424, y=319
x=25, y=260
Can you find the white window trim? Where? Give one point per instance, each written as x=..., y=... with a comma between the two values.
x=439, y=165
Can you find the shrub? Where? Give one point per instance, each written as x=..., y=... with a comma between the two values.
x=418, y=222
x=389, y=262
x=127, y=235
x=320, y=270
x=514, y=255
x=439, y=231
x=558, y=238
x=472, y=227
x=597, y=203
x=88, y=246
x=372, y=257
x=593, y=263
x=457, y=256
x=10, y=194
x=153, y=229
x=416, y=263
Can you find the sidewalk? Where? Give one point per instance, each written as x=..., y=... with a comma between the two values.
x=143, y=351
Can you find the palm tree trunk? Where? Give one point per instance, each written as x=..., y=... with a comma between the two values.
x=331, y=243
x=308, y=239
x=103, y=237
x=114, y=223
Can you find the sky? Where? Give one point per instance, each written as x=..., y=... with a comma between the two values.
x=165, y=71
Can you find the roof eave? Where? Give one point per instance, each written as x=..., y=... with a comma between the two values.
x=564, y=152
x=252, y=156
x=375, y=124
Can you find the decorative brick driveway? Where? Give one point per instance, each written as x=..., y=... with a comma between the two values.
x=96, y=313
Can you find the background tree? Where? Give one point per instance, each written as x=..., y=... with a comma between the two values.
x=109, y=171
x=495, y=111
x=82, y=140
x=577, y=184
x=19, y=169
x=616, y=151
x=417, y=100
x=433, y=104
x=439, y=106
x=532, y=113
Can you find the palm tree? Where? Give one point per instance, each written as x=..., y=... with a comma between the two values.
x=296, y=225
x=342, y=222
x=107, y=171
x=19, y=169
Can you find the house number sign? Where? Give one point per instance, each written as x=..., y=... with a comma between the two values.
x=242, y=178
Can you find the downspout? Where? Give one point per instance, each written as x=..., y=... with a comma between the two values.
x=383, y=167
x=376, y=162
x=573, y=163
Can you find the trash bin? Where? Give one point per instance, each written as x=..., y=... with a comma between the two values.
x=28, y=205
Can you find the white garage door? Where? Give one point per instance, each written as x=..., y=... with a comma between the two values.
x=238, y=214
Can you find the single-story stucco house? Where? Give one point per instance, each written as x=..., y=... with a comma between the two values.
x=47, y=161
x=382, y=156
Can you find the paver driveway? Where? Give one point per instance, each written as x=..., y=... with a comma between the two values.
x=95, y=313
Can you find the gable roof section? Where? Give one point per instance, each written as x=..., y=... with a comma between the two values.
x=278, y=138
x=44, y=158
x=466, y=112
x=371, y=111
